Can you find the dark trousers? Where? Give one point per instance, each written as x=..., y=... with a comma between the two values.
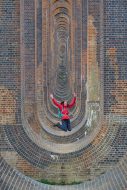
x=66, y=125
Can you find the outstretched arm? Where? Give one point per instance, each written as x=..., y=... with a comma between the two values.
x=55, y=102
x=73, y=101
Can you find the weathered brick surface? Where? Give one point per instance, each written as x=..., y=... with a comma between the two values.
x=61, y=47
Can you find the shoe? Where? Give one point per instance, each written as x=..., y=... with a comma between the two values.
x=56, y=125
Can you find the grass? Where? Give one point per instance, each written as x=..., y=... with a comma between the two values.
x=45, y=181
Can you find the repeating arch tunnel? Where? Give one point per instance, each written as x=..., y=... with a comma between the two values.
x=63, y=47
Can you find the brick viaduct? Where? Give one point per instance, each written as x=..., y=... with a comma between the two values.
x=61, y=47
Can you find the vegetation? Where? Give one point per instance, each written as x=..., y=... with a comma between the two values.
x=45, y=181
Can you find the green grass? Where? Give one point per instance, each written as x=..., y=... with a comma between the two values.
x=45, y=181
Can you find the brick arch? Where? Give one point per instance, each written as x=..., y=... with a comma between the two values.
x=60, y=9
x=54, y=1
x=92, y=152
x=60, y=4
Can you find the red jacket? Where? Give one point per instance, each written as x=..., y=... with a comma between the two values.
x=64, y=109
